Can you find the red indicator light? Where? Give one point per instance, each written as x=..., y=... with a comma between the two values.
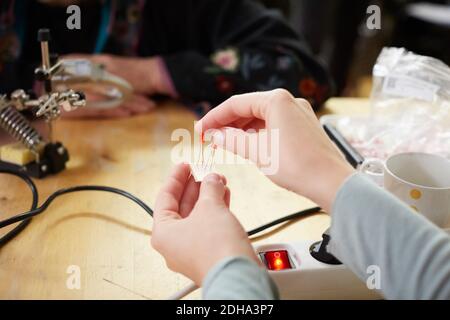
x=277, y=260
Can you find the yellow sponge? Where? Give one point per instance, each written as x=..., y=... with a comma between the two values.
x=16, y=153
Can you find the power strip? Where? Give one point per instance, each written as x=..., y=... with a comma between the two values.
x=299, y=275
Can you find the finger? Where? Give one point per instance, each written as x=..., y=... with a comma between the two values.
x=94, y=113
x=304, y=104
x=139, y=104
x=190, y=197
x=168, y=200
x=244, y=106
x=248, y=124
x=227, y=197
x=241, y=123
x=213, y=189
x=102, y=59
x=119, y=112
x=77, y=56
x=224, y=179
x=84, y=112
x=239, y=142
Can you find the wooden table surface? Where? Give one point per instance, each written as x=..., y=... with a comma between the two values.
x=108, y=237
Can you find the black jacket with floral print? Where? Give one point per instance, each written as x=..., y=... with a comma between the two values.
x=212, y=48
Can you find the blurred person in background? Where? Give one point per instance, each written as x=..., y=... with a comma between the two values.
x=201, y=51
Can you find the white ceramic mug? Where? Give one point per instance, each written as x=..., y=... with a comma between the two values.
x=421, y=180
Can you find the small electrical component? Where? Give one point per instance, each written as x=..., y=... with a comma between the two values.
x=204, y=164
x=35, y=155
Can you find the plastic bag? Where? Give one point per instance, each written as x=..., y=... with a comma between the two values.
x=410, y=108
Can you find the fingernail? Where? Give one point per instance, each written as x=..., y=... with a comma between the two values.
x=218, y=138
x=198, y=126
x=212, y=177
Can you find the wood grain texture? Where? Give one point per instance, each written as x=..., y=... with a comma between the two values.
x=107, y=236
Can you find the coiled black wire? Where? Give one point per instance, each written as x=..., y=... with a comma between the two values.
x=25, y=218
x=293, y=216
x=44, y=206
x=35, y=198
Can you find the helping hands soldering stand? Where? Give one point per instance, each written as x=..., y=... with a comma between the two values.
x=45, y=157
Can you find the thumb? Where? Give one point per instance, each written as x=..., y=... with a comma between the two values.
x=213, y=189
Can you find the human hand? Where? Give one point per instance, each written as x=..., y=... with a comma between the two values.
x=193, y=227
x=134, y=105
x=309, y=163
x=146, y=75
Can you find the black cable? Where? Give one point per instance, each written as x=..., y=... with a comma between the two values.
x=14, y=232
x=293, y=216
x=26, y=216
x=60, y=192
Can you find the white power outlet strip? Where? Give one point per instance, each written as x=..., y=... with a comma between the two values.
x=309, y=278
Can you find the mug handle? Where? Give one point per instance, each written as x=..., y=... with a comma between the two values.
x=373, y=169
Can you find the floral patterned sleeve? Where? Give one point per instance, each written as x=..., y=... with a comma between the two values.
x=252, y=49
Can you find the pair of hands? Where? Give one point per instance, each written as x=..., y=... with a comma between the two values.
x=146, y=76
x=193, y=226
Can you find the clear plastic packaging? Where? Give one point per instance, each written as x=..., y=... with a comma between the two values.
x=410, y=108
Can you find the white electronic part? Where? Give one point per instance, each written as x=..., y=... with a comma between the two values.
x=199, y=172
x=299, y=275
x=204, y=165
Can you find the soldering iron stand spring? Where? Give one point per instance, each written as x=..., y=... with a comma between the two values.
x=19, y=128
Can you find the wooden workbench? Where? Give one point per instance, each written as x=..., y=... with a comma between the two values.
x=108, y=237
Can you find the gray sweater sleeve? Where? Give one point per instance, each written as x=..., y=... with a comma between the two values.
x=370, y=227
x=238, y=278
